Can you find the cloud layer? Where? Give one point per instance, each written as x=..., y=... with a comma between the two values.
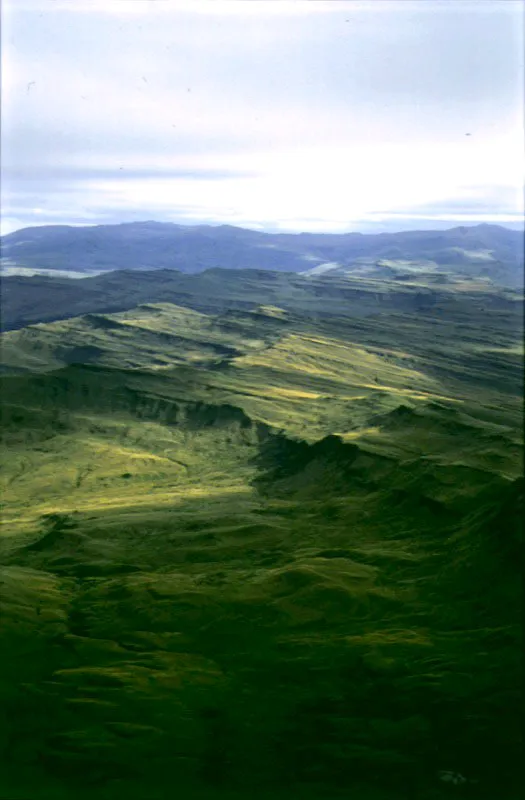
x=279, y=115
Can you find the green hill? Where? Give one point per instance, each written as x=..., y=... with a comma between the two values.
x=264, y=551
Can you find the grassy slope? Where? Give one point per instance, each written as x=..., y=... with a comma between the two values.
x=209, y=590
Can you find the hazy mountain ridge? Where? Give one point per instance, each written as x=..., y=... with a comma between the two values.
x=489, y=251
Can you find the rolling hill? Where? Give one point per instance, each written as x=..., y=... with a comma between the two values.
x=488, y=251
x=260, y=537
x=30, y=299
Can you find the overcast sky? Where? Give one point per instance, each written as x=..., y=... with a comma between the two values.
x=270, y=114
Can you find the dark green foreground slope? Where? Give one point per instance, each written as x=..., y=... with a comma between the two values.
x=254, y=555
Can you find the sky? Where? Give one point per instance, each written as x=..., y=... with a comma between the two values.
x=277, y=115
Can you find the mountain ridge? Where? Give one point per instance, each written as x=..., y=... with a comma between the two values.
x=490, y=251
x=40, y=298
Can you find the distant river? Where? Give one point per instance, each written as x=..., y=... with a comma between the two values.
x=50, y=273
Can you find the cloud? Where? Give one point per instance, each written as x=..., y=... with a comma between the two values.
x=215, y=8
x=260, y=111
x=243, y=8
x=65, y=176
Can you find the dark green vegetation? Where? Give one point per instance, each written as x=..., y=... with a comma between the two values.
x=487, y=251
x=261, y=538
x=27, y=300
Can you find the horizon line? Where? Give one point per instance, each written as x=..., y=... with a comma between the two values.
x=271, y=230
